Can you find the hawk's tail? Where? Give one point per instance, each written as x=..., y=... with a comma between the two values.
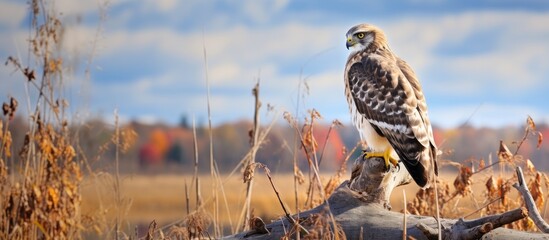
x=425, y=170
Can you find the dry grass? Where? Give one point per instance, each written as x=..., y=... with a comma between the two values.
x=162, y=198
x=40, y=194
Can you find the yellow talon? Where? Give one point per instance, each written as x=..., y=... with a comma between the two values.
x=385, y=155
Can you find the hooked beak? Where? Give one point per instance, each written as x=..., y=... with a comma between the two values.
x=350, y=43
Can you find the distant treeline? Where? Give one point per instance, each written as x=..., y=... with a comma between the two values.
x=162, y=147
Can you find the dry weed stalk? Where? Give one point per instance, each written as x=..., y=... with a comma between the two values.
x=41, y=193
x=249, y=174
x=462, y=183
x=151, y=230
x=254, y=144
x=197, y=223
x=535, y=186
x=178, y=232
x=42, y=197
x=309, y=145
x=404, y=223
x=424, y=202
x=498, y=188
x=218, y=182
x=335, y=180
x=320, y=227
x=122, y=139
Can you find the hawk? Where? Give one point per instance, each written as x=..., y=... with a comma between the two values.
x=387, y=105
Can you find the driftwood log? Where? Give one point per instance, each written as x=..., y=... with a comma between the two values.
x=360, y=209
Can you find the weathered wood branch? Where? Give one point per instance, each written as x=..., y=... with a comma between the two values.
x=533, y=212
x=374, y=182
x=360, y=207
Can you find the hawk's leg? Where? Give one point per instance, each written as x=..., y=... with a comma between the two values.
x=385, y=155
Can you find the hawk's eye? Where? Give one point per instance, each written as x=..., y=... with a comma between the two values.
x=360, y=35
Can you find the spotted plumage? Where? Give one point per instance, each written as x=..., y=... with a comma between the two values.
x=386, y=103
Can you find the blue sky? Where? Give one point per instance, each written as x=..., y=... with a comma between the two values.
x=487, y=59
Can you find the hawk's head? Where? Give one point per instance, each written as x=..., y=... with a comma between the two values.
x=363, y=35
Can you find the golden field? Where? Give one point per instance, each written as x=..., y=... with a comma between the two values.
x=162, y=197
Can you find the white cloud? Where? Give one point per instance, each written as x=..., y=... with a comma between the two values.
x=12, y=13
x=489, y=114
x=239, y=43
x=504, y=70
x=162, y=5
x=143, y=91
x=226, y=72
x=282, y=42
x=75, y=8
x=261, y=11
x=236, y=56
x=518, y=60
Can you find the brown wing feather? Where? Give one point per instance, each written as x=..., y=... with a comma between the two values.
x=422, y=109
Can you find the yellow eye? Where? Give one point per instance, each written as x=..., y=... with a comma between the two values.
x=360, y=35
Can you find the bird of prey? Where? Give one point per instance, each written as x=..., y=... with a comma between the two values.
x=387, y=105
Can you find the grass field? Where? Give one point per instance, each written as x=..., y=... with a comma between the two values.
x=162, y=197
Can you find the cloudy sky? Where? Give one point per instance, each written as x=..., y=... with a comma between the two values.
x=487, y=60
